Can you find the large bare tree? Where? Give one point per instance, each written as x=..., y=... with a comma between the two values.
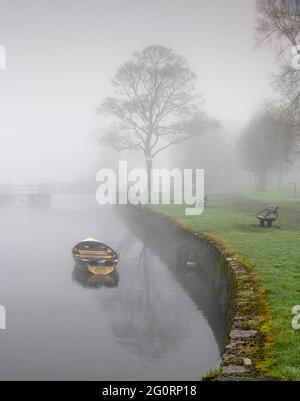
x=155, y=104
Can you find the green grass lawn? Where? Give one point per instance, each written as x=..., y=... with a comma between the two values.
x=275, y=256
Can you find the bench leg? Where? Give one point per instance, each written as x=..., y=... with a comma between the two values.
x=269, y=223
x=261, y=223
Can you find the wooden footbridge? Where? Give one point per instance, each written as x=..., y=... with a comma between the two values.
x=43, y=192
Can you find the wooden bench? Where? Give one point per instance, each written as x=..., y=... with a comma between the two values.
x=268, y=215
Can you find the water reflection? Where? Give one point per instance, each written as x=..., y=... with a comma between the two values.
x=145, y=326
x=147, y=314
x=189, y=265
x=89, y=280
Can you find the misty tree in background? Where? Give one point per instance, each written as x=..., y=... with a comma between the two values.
x=278, y=21
x=263, y=147
x=155, y=105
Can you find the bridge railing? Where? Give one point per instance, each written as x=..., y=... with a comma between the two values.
x=48, y=188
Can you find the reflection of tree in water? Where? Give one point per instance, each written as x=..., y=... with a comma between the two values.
x=148, y=313
x=128, y=247
x=193, y=266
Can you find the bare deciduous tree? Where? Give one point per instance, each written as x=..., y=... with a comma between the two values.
x=264, y=146
x=279, y=22
x=155, y=104
x=278, y=19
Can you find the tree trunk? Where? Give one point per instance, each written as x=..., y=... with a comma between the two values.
x=149, y=170
x=261, y=184
x=280, y=178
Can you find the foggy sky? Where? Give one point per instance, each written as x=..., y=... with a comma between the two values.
x=62, y=54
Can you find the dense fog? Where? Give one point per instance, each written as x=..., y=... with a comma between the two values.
x=59, y=64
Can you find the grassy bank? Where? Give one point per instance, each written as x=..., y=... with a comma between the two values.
x=274, y=254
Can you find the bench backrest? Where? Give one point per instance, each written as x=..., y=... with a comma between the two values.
x=269, y=212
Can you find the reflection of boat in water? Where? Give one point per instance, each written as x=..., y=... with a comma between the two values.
x=87, y=279
x=95, y=256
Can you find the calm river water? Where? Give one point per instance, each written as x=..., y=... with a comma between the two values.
x=143, y=323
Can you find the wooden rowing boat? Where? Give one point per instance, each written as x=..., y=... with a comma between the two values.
x=96, y=256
